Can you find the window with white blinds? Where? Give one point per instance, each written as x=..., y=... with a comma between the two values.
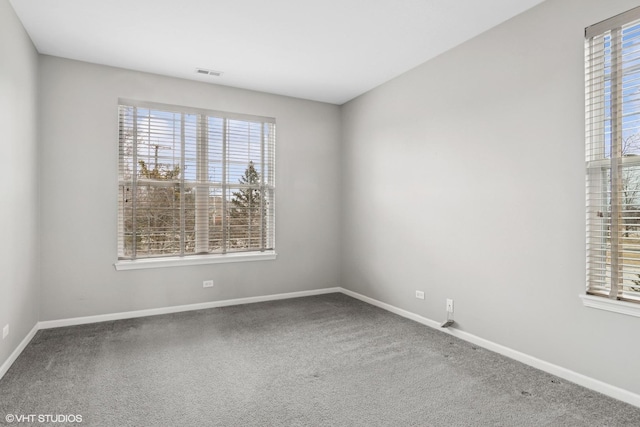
x=613, y=157
x=193, y=182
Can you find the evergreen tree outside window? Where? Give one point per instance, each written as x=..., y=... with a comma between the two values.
x=247, y=212
x=194, y=182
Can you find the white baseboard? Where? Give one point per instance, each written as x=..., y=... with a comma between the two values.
x=583, y=380
x=391, y=308
x=23, y=344
x=179, y=308
x=567, y=374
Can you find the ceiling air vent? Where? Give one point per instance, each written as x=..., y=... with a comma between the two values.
x=208, y=72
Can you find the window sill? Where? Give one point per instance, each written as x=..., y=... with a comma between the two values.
x=607, y=304
x=193, y=260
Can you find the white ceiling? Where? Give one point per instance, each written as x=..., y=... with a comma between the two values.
x=329, y=50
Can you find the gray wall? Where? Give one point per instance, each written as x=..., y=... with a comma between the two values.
x=19, y=294
x=79, y=137
x=464, y=178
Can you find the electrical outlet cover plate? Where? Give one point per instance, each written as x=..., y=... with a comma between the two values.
x=5, y=331
x=419, y=294
x=207, y=284
x=449, y=305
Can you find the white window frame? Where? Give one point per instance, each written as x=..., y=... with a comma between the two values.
x=604, y=292
x=201, y=206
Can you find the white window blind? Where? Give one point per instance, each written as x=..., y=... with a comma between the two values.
x=194, y=182
x=613, y=157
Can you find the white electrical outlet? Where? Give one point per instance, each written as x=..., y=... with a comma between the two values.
x=449, y=305
x=5, y=331
x=419, y=294
x=207, y=284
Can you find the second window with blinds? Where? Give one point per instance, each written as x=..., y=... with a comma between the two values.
x=194, y=183
x=613, y=157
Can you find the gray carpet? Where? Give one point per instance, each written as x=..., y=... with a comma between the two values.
x=327, y=360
